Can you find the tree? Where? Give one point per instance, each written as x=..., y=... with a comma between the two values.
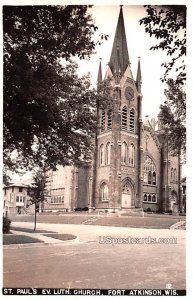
x=49, y=113
x=6, y=177
x=173, y=113
x=38, y=190
x=55, y=123
x=168, y=24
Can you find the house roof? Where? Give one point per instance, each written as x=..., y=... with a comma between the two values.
x=16, y=185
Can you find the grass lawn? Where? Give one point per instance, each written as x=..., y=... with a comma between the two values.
x=63, y=237
x=9, y=239
x=149, y=221
x=137, y=222
x=30, y=230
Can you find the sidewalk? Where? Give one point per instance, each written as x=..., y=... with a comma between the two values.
x=40, y=236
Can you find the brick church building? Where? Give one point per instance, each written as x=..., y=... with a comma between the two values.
x=132, y=167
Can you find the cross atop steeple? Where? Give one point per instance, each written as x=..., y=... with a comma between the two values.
x=119, y=58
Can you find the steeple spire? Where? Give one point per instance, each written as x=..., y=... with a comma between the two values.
x=139, y=78
x=99, y=77
x=119, y=55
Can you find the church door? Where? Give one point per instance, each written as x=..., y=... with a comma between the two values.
x=173, y=202
x=126, y=196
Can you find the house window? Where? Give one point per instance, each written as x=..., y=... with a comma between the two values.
x=20, y=199
x=124, y=153
x=109, y=121
x=20, y=189
x=104, y=192
x=132, y=120
x=132, y=155
x=108, y=153
x=124, y=118
x=145, y=198
x=149, y=198
x=103, y=120
x=101, y=155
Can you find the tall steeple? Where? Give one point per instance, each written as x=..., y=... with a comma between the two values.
x=139, y=78
x=99, y=77
x=119, y=56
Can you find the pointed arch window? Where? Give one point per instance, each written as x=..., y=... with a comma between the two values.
x=102, y=125
x=124, y=118
x=126, y=189
x=104, y=192
x=149, y=198
x=145, y=198
x=149, y=177
x=101, y=155
x=108, y=154
x=154, y=198
x=172, y=174
x=154, y=178
x=175, y=175
x=131, y=155
x=149, y=171
x=109, y=120
x=132, y=120
x=124, y=153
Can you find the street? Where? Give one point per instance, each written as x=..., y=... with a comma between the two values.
x=90, y=263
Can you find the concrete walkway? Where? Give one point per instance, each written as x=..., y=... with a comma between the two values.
x=91, y=233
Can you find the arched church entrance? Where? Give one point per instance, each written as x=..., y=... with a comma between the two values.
x=126, y=199
x=173, y=201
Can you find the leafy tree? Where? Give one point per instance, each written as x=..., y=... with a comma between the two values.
x=58, y=121
x=38, y=190
x=6, y=177
x=173, y=113
x=49, y=113
x=168, y=24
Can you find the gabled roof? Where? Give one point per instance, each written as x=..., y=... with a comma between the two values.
x=119, y=56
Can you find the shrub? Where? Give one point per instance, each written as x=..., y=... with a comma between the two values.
x=85, y=209
x=148, y=209
x=6, y=224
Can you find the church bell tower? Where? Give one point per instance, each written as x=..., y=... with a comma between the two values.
x=118, y=176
